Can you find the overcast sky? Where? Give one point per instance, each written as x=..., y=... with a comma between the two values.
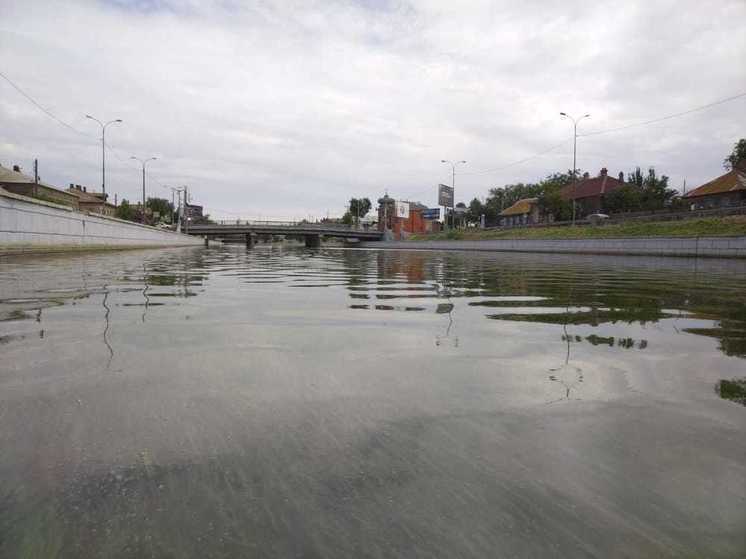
x=287, y=109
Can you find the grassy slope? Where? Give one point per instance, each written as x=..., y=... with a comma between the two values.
x=686, y=228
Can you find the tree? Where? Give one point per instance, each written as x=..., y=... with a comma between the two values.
x=739, y=152
x=624, y=199
x=125, y=211
x=653, y=191
x=359, y=207
x=475, y=211
x=550, y=198
x=160, y=205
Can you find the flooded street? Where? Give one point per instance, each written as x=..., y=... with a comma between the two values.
x=279, y=402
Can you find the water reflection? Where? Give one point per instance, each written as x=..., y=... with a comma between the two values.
x=359, y=403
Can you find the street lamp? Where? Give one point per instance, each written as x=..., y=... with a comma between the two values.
x=103, y=149
x=574, y=156
x=453, y=185
x=143, y=162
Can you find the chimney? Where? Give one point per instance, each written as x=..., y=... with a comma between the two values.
x=16, y=168
x=621, y=176
x=604, y=172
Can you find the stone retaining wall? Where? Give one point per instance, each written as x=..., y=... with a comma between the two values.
x=717, y=247
x=28, y=225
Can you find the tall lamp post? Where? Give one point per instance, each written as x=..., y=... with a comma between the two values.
x=574, y=156
x=143, y=162
x=103, y=149
x=453, y=185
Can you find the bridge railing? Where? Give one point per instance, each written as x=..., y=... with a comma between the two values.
x=300, y=224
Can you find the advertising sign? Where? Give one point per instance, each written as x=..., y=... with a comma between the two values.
x=431, y=213
x=445, y=195
x=402, y=209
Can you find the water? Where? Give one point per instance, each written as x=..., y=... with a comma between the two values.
x=339, y=403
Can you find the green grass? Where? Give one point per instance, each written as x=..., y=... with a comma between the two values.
x=728, y=226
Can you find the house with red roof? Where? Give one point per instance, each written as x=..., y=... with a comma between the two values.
x=588, y=193
x=726, y=190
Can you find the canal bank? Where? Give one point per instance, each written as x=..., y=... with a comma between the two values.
x=35, y=226
x=705, y=247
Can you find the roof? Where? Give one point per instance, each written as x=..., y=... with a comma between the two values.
x=588, y=188
x=731, y=181
x=523, y=206
x=88, y=197
x=11, y=176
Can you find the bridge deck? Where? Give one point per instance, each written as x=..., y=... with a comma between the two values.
x=243, y=229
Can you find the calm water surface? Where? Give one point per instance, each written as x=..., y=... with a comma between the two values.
x=351, y=403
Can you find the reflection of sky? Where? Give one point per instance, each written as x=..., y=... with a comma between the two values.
x=264, y=398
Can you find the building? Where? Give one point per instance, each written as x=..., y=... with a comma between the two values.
x=402, y=227
x=193, y=212
x=92, y=202
x=523, y=212
x=726, y=190
x=588, y=193
x=13, y=180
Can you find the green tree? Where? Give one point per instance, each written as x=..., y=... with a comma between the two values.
x=347, y=218
x=125, y=210
x=652, y=190
x=739, y=152
x=550, y=198
x=160, y=205
x=624, y=199
x=359, y=207
x=475, y=211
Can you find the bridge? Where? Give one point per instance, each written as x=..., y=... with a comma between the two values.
x=311, y=232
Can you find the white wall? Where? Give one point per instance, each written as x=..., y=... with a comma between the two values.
x=31, y=225
x=719, y=247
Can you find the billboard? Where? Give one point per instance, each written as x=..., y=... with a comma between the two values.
x=445, y=195
x=402, y=209
x=431, y=213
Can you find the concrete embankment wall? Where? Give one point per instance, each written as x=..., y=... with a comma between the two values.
x=711, y=247
x=28, y=225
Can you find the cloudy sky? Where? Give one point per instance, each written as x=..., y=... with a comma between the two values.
x=287, y=109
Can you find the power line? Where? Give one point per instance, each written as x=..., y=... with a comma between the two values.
x=667, y=117
x=41, y=108
x=514, y=163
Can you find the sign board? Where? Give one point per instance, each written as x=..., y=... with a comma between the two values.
x=402, y=209
x=431, y=213
x=445, y=195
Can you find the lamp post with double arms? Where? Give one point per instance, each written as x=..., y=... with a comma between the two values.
x=103, y=148
x=143, y=162
x=574, y=156
x=453, y=185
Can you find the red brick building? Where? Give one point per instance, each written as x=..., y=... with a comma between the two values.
x=401, y=228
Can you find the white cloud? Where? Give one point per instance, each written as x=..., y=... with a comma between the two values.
x=288, y=110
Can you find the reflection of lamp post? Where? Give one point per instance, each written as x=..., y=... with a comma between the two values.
x=453, y=185
x=574, y=157
x=103, y=150
x=143, y=162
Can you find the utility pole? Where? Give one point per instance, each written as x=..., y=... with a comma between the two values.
x=186, y=210
x=36, y=171
x=103, y=149
x=143, y=162
x=178, y=219
x=574, y=157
